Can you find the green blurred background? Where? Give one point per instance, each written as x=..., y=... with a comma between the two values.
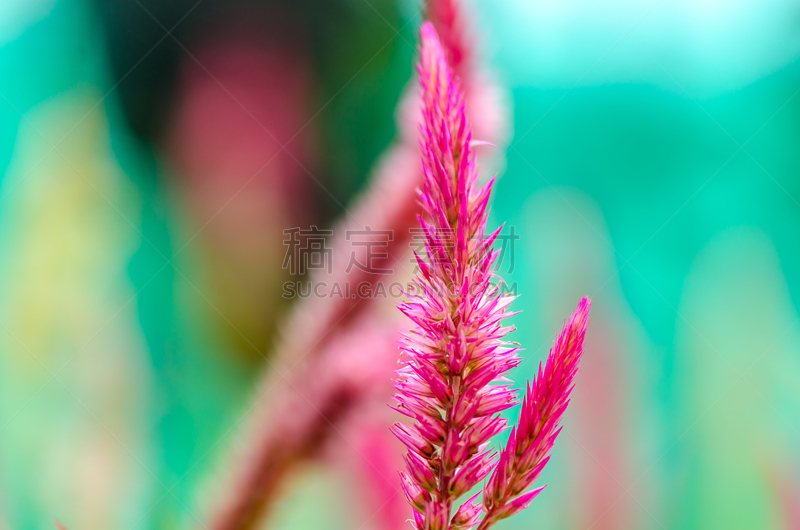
x=652, y=165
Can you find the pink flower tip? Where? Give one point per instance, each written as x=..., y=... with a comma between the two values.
x=518, y=504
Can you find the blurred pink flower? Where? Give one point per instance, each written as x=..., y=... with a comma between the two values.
x=304, y=414
x=448, y=19
x=306, y=342
x=371, y=462
x=241, y=142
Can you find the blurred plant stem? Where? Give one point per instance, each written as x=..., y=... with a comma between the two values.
x=313, y=394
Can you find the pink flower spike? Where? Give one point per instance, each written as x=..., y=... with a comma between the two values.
x=452, y=382
x=455, y=356
x=527, y=450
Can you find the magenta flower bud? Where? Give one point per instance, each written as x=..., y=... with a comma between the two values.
x=415, y=409
x=517, y=505
x=467, y=515
x=460, y=355
x=435, y=381
x=416, y=496
x=455, y=450
x=473, y=471
x=423, y=267
x=420, y=471
x=495, y=400
x=465, y=409
x=530, y=477
x=412, y=440
x=483, y=429
x=432, y=430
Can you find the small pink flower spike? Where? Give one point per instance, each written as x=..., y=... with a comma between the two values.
x=451, y=381
x=530, y=442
